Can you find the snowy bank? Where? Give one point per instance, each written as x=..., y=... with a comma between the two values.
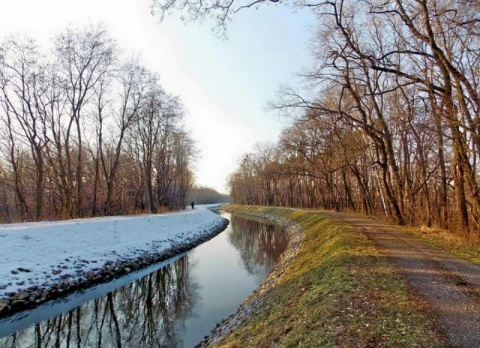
x=43, y=260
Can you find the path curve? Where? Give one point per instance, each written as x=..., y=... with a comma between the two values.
x=449, y=286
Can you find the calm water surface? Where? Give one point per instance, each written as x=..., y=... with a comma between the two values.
x=173, y=306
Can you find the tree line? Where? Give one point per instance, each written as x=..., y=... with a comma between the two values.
x=206, y=195
x=392, y=123
x=87, y=131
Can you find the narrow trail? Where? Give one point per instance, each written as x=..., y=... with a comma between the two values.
x=447, y=285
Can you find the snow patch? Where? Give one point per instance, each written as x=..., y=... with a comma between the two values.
x=47, y=253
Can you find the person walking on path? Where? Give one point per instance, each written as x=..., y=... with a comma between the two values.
x=193, y=205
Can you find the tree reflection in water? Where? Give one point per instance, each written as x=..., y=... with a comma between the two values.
x=167, y=308
x=142, y=314
x=260, y=245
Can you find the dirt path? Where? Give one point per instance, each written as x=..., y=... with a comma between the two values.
x=450, y=287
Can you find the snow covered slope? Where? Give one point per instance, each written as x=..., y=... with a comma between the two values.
x=45, y=253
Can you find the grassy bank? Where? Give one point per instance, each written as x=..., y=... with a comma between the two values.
x=337, y=291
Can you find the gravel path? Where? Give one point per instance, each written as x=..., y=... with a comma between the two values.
x=449, y=286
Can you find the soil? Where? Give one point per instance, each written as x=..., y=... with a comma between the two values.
x=447, y=286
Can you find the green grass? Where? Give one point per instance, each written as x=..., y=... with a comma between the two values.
x=337, y=292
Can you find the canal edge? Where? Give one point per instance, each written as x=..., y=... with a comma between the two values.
x=37, y=295
x=254, y=300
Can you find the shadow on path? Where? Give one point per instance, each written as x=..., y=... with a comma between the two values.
x=448, y=285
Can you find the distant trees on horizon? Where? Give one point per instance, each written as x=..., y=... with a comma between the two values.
x=206, y=195
x=86, y=132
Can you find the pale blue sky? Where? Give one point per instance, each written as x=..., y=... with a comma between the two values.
x=224, y=84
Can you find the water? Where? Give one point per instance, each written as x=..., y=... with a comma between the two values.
x=175, y=305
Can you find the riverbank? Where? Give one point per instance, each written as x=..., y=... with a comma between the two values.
x=45, y=260
x=331, y=288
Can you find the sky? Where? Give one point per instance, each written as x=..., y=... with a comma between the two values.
x=224, y=84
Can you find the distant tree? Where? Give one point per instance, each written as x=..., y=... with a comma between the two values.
x=206, y=195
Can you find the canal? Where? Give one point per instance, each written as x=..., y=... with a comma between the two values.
x=172, y=304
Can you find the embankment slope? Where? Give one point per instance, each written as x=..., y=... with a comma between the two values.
x=332, y=288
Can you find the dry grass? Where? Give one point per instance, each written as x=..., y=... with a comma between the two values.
x=337, y=292
x=466, y=246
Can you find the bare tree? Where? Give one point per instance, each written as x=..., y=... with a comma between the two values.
x=133, y=82
x=65, y=121
x=400, y=77
x=23, y=81
x=84, y=57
